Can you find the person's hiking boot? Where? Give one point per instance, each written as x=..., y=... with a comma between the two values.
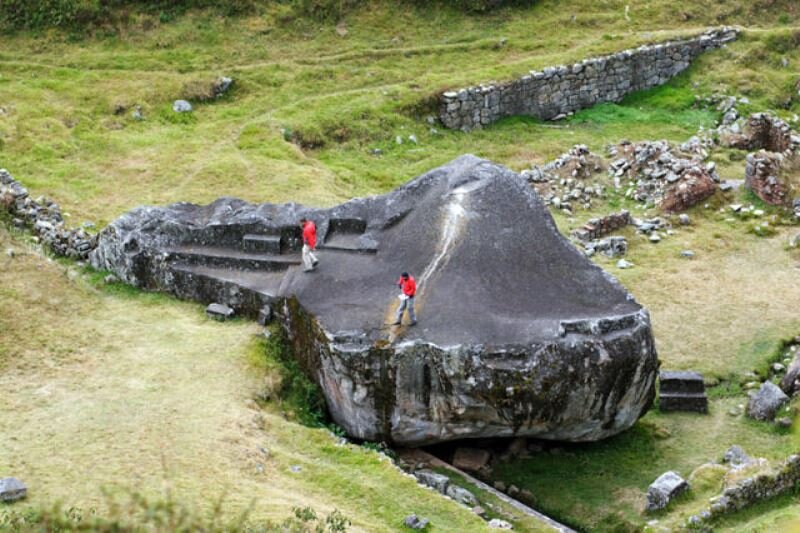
x=413, y=323
x=398, y=323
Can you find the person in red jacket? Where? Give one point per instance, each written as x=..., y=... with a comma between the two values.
x=408, y=288
x=309, y=244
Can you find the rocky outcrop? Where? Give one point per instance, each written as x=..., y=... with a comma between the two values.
x=557, y=91
x=518, y=333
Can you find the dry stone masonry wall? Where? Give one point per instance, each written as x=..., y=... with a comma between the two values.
x=559, y=90
x=44, y=217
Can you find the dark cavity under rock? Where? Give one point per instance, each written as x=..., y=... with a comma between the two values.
x=518, y=333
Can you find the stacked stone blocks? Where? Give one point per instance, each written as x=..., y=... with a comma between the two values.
x=559, y=90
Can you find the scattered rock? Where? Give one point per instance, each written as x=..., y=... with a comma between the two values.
x=341, y=29
x=471, y=459
x=655, y=237
x=413, y=139
x=497, y=523
x=461, y=495
x=791, y=380
x=12, y=489
x=687, y=253
x=181, y=106
x=221, y=86
x=499, y=485
x=137, y=113
x=664, y=489
x=736, y=457
x=10, y=253
x=684, y=219
x=784, y=422
x=480, y=511
x=219, y=312
x=415, y=522
x=624, y=264
x=110, y=278
x=765, y=403
x=436, y=481
x=295, y=468
x=513, y=491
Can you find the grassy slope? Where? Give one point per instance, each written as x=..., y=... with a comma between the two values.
x=721, y=313
x=106, y=388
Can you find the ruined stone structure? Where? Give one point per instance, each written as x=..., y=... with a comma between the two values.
x=518, y=333
x=43, y=216
x=559, y=90
x=767, y=170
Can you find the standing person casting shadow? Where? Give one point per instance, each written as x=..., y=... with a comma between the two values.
x=408, y=288
x=309, y=244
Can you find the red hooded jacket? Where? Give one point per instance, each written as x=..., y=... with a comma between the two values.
x=409, y=286
x=310, y=234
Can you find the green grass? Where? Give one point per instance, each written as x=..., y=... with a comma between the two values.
x=300, y=85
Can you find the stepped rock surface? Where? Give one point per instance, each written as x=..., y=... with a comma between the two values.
x=518, y=333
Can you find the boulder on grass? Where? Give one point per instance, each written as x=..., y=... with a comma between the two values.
x=765, y=403
x=12, y=489
x=663, y=490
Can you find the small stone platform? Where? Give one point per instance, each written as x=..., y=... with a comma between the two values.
x=682, y=391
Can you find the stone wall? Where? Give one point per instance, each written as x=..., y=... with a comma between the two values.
x=753, y=490
x=43, y=216
x=559, y=90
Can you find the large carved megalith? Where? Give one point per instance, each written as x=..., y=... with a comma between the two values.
x=518, y=334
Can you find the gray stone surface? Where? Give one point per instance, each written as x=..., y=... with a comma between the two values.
x=415, y=522
x=461, y=495
x=518, y=334
x=12, y=489
x=736, y=457
x=181, y=106
x=557, y=91
x=664, y=489
x=765, y=403
x=219, y=312
x=438, y=482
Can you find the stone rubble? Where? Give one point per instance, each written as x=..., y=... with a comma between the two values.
x=599, y=227
x=762, y=486
x=44, y=217
x=415, y=522
x=441, y=483
x=565, y=182
x=656, y=174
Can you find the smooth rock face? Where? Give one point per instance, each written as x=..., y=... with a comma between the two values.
x=518, y=334
x=664, y=489
x=765, y=403
x=12, y=489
